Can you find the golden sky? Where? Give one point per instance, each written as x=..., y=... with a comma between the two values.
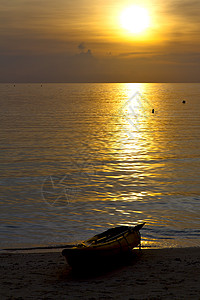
x=83, y=40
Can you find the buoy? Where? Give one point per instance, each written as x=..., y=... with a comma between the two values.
x=183, y=101
x=153, y=111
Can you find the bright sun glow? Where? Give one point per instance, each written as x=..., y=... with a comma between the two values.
x=135, y=19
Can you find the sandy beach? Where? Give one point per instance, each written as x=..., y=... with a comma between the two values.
x=151, y=274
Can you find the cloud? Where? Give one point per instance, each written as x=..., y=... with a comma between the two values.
x=181, y=21
x=167, y=67
x=128, y=54
x=49, y=43
x=189, y=10
x=87, y=53
x=81, y=46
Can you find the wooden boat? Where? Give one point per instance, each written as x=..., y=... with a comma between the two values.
x=103, y=247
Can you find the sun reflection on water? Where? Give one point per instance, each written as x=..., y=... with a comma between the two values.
x=120, y=169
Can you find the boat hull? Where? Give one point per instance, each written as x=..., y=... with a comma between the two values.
x=102, y=252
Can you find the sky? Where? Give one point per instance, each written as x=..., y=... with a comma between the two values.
x=84, y=41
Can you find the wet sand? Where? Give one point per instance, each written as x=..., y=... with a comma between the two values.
x=151, y=274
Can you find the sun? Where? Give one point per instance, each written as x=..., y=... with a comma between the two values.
x=135, y=19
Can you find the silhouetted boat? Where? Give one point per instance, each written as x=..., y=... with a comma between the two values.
x=103, y=247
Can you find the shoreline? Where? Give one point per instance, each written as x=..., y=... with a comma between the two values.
x=163, y=273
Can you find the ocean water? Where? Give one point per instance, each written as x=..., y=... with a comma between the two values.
x=76, y=159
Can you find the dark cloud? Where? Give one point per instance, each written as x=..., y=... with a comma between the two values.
x=186, y=9
x=87, y=53
x=81, y=46
x=183, y=18
x=127, y=54
x=166, y=67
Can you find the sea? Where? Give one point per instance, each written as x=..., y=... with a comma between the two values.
x=79, y=158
